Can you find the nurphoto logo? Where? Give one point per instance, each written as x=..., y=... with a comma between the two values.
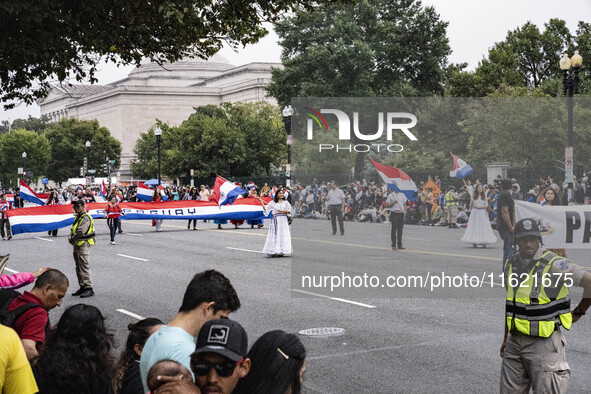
x=392, y=122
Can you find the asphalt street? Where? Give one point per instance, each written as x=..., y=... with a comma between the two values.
x=403, y=340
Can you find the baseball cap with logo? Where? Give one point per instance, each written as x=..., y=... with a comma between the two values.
x=527, y=227
x=223, y=336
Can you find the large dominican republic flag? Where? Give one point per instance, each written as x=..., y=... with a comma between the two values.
x=397, y=180
x=461, y=168
x=28, y=194
x=50, y=217
x=144, y=193
x=225, y=192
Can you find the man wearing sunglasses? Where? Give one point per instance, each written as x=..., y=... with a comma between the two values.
x=218, y=362
x=209, y=296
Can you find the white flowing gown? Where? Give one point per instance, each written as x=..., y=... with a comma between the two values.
x=279, y=237
x=479, y=230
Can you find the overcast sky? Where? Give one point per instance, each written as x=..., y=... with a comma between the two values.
x=474, y=26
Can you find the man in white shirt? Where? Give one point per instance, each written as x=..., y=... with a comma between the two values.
x=396, y=202
x=335, y=200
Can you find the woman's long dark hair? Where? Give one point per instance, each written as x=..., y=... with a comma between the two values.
x=78, y=353
x=138, y=334
x=475, y=194
x=277, y=358
x=557, y=197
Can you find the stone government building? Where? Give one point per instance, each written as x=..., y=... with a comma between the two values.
x=131, y=106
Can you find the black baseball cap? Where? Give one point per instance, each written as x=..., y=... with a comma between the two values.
x=223, y=336
x=76, y=203
x=527, y=227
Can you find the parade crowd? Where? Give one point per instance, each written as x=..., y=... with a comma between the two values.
x=201, y=350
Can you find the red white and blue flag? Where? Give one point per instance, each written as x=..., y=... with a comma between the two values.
x=162, y=194
x=273, y=192
x=144, y=193
x=28, y=194
x=103, y=189
x=10, y=198
x=50, y=217
x=225, y=192
x=397, y=180
x=461, y=168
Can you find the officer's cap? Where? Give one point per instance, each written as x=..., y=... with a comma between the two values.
x=527, y=227
x=77, y=203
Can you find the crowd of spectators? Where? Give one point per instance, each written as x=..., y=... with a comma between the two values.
x=365, y=201
x=201, y=350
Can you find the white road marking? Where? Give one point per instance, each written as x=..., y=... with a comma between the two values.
x=13, y=271
x=245, y=250
x=492, y=283
x=135, y=235
x=131, y=257
x=44, y=239
x=130, y=314
x=335, y=299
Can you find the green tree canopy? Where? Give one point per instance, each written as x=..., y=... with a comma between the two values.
x=526, y=58
x=61, y=39
x=68, y=150
x=35, y=124
x=230, y=140
x=12, y=146
x=368, y=48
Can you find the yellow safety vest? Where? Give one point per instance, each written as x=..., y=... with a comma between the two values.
x=89, y=236
x=531, y=308
x=450, y=200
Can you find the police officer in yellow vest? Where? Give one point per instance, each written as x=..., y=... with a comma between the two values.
x=82, y=238
x=452, y=203
x=537, y=306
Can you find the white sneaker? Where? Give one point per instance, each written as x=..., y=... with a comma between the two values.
x=112, y=242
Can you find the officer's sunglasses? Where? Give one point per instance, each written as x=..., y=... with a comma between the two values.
x=224, y=369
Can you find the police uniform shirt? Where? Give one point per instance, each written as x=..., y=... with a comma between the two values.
x=561, y=269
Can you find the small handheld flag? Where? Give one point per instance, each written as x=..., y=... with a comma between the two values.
x=103, y=189
x=225, y=192
x=461, y=169
x=28, y=194
x=144, y=193
x=397, y=180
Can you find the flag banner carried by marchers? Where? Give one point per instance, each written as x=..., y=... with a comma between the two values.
x=397, y=180
x=28, y=194
x=10, y=198
x=52, y=217
x=225, y=192
x=567, y=227
x=461, y=169
x=144, y=193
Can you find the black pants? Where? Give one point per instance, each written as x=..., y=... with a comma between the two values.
x=397, y=219
x=428, y=208
x=335, y=212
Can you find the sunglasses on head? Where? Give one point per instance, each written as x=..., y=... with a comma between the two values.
x=224, y=369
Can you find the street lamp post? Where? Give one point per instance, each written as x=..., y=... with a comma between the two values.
x=25, y=165
x=87, y=169
x=158, y=133
x=570, y=86
x=287, y=113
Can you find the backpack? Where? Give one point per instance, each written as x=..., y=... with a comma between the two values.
x=9, y=318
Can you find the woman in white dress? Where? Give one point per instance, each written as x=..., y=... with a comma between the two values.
x=278, y=241
x=479, y=230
